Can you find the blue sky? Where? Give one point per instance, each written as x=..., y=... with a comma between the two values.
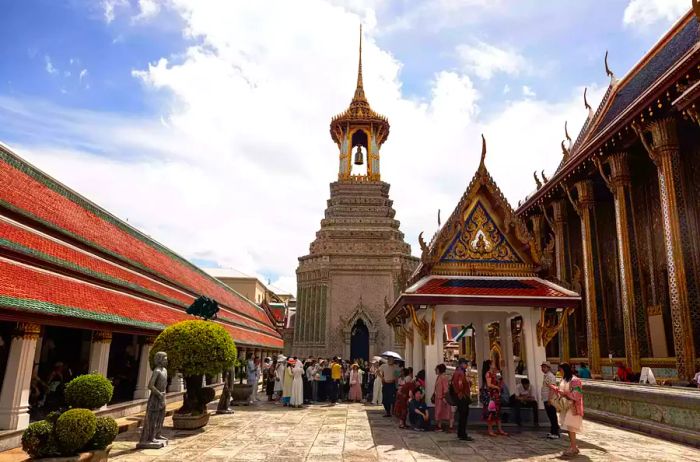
x=132, y=102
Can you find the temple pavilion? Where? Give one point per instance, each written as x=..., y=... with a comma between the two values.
x=481, y=271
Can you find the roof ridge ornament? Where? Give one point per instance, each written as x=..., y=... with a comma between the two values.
x=483, y=152
x=586, y=105
x=613, y=79
x=566, y=133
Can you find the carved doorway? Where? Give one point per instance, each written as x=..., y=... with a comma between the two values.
x=359, y=341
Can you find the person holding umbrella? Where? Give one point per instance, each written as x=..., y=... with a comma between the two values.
x=387, y=373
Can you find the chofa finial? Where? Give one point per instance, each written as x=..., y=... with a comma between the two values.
x=585, y=101
x=483, y=151
x=607, y=69
x=537, y=180
x=566, y=131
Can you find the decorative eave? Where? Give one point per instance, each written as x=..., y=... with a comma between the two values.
x=596, y=137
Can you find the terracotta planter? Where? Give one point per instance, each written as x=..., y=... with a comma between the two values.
x=98, y=455
x=241, y=393
x=190, y=422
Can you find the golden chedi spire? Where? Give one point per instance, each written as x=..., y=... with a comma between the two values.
x=359, y=111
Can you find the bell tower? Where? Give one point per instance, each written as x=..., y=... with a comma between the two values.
x=359, y=259
x=358, y=128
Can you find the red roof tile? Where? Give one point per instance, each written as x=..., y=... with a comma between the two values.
x=491, y=287
x=20, y=285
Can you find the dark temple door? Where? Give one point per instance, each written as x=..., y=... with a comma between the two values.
x=359, y=341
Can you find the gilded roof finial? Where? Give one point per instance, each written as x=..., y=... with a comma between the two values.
x=585, y=102
x=608, y=71
x=360, y=90
x=537, y=180
x=566, y=132
x=483, y=152
x=696, y=9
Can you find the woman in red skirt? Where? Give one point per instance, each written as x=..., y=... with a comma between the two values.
x=403, y=396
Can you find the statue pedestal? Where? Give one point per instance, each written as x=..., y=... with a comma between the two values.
x=152, y=445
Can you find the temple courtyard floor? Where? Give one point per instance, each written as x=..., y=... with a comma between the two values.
x=355, y=432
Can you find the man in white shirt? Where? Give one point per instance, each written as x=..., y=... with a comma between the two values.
x=524, y=397
x=549, y=379
x=387, y=373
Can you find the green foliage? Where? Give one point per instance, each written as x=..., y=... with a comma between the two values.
x=196, y=348
x=105, y=432
x=74, y=429
x=52, y=417
x=90, y=391
x=38, y=440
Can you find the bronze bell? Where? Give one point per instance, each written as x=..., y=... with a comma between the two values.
x=358, y=156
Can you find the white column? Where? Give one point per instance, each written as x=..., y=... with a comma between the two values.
x=144, y=375
x=409, y=351
x=433, y=357
x=418, y=349
x=14, y=397
x=536, y=355
x=509, y=373
x=176, y=383
x=99, y=352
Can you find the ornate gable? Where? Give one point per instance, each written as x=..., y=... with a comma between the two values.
x=481, y=237
x=479, y=240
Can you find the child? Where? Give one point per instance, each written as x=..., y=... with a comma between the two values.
x=418, y=412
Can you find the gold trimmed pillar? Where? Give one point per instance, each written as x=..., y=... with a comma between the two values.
x=14, y=396
x=664, y=152
x=559, y=228
x=620, y=181
x=585, y=206
x=99, y=352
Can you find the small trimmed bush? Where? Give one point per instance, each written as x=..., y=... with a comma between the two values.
x=105, y=432
x=196, y=348
x=74, y=429
x=90, y=391
x=38, y=440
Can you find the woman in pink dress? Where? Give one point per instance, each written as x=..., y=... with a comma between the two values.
x=443, y=410
x=355, y=393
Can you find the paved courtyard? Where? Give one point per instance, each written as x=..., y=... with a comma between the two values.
x=354, y=432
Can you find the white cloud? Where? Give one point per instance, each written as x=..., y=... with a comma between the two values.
x=528, y=92
x=506, y=89
x=639, y=13
x=82, y=75
x=147, y=10
x=48, y=65
x=485, y=60
x=236, y=169
x=109, y=6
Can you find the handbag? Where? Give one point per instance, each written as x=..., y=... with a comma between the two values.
x=560, y=403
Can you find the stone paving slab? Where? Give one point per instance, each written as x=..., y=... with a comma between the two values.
x=358, y=433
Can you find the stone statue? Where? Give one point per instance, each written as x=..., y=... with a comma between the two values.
x=151, y=434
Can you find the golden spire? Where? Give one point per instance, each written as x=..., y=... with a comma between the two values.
x=360, y=90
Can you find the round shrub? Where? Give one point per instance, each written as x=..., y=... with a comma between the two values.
x=38, y=440
x=74, y=429
x=105, y=432
x=90, y=391
x=196, y=348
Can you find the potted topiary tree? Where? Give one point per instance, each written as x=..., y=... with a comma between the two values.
x=195, y=348
x=75, y=434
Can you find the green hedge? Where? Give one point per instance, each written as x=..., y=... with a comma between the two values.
x=105, y=431
x=90, y=391
x=38, y=440
x=74, y=429
x=196, y=348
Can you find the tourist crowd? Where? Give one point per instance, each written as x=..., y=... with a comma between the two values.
x=294, y=382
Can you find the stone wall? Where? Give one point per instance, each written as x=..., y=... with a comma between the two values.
x=668, y=412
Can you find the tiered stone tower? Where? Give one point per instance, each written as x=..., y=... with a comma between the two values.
x=359, y=260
